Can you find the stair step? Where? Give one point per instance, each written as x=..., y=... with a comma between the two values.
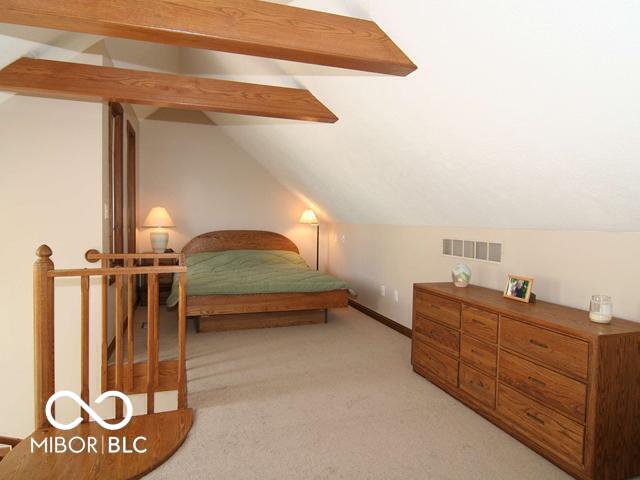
x=164, y=433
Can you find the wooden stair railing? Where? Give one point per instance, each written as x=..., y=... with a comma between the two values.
x=134, y=375
x=165, y=431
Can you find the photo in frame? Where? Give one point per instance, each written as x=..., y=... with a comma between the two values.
x=518, y=288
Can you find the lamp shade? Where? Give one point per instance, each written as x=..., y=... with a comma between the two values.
x=158, y=217
x=309, y=217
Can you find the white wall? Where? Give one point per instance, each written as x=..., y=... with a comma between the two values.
x=207, y=182
x=568, y=266
x=50, y=192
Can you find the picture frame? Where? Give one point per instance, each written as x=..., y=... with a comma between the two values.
x=518, y=288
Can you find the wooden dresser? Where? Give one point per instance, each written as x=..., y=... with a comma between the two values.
x=566, y=387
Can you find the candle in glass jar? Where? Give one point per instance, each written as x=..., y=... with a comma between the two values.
x=600, y=309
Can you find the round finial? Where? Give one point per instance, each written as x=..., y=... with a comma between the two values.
x=44, y=251
x=89, y=254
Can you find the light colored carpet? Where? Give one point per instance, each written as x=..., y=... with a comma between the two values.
x=332, y=401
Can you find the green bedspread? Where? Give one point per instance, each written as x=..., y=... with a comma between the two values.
x=251, y=271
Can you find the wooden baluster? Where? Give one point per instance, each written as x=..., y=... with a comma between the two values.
x=84, y=346
x=182, y=332
x=105, y=311
x=152, y=339
x=43, y=333
x=130, y=323
x=119, y=342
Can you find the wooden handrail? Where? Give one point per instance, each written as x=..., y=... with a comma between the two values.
x=95, y=256
x=125, y=376
x=90, y=272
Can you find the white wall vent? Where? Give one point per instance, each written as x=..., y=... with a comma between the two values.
x=473, y=249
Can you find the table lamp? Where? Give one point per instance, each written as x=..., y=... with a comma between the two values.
x=159, y=219
x=308, y=217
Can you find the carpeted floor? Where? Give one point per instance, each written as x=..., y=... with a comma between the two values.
x=331, y=401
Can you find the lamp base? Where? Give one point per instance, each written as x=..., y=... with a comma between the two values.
x=159, y=241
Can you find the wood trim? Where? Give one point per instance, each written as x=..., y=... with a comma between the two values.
x=98, y=83
x=248, y=27
x=398, y=327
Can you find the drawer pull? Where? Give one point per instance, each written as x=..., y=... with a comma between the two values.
x=537, y=344
x=435, y=307
x=475, y=320
x=535, y=418
x=535, y=380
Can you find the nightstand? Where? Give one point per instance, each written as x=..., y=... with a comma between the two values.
x=165, y=280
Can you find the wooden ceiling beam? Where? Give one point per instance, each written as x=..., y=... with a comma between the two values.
x=96, y=83
x=250, y=27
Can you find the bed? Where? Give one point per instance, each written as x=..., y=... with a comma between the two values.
x=238, y=279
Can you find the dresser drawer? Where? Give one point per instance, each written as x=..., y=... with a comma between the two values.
x=435, y=363
x=479, y=354
x=437, y=336
x=554, y=349
x=478, y=385
x=480, y=324
x=554, y=431
x=551, y=388
x=437, y=308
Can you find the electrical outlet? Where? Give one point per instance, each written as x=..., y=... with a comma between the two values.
x=396, y=296
x=343, y=238
x=383, y=290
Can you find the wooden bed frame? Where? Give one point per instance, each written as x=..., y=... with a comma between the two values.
x=234, y=312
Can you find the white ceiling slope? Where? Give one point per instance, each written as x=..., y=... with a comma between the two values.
x=520, y=115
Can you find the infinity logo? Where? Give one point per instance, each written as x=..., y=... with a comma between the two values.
x=73, y=396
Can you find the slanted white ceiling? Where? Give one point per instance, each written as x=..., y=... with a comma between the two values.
x=520, y=115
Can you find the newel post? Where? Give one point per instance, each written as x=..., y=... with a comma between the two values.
x=44, y=367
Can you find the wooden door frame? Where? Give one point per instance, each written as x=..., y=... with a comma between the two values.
x=131, y=189
x=116, y=172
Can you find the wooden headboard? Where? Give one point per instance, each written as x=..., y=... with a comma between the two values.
x=239, y=240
